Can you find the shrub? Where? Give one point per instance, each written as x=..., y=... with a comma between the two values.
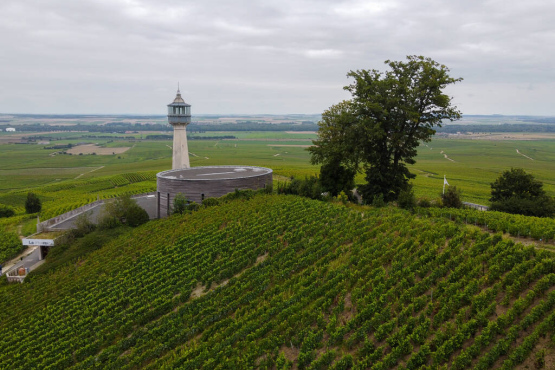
x=6, y=211
x=193, y=206
x=83, y=225
x=538, y=207
x=210, y=202
x=179, y=204
x=32, y=203
x=452, y=198
x=342, y=197
x=309, y=187
x=406, y=198
x=123, y=210
x=136, y=216
x=424, y=203
x=378, y=201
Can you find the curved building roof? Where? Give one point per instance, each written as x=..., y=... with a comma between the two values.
x=214, y=173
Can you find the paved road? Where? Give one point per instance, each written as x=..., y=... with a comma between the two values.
x=27, y=261
x=147, y=202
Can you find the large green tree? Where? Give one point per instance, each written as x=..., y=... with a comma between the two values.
x=379, y=129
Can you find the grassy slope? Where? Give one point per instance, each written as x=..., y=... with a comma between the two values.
x=278, y=279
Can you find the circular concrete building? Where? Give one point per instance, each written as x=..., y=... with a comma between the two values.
x=198, y=183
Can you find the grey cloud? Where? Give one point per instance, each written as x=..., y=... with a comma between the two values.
x=125, y=56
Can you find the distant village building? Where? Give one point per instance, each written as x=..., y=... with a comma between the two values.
x=10, y=129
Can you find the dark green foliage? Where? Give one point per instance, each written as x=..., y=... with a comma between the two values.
x=83, y=225
x=238, y=194
x=424, y=203
x=516, y=183
x=309, y=187
x=210, y=202
x=136, y=216
x=406, y=199
x=107, y=222
x=123, y=210
x=6, y=211
x=32, y=203
x=378, y=201
x=518, y=192
x=542, y=206
x=335, y=178
x=389, y=115
x=179, y=204
x=452, y=197
x=193, y=206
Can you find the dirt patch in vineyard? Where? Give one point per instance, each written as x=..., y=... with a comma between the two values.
x=349, y=312
x=549, y=357
x=198, y=291
x=291, y=353
x=93, y=148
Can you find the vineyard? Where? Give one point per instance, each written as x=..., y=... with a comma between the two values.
x=10, y=245
x=282, y=282
x=541, y=229
x=68, y=195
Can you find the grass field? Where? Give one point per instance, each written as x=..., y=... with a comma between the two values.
x=472, y=164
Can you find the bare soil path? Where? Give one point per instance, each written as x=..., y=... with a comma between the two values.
x=95, y=169
x=524, y=155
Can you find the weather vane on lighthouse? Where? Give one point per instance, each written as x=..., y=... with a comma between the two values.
x=179, y=116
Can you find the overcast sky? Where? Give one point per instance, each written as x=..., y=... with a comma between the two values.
x=247, y=57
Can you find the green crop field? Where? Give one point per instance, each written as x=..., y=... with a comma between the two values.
x=477, y=163
x=277, y=282
x=472, y=164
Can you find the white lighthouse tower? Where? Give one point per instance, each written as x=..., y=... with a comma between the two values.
x=179, y=116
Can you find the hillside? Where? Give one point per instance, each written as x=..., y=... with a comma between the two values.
x=281, y=281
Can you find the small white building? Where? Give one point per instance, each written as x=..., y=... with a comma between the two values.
x=10, y=129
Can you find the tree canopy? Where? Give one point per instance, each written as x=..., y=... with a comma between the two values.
x=516, y=191
x=32, y=203
x=380, y=127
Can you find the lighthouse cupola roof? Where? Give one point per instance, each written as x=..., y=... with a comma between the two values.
x=178, y=101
